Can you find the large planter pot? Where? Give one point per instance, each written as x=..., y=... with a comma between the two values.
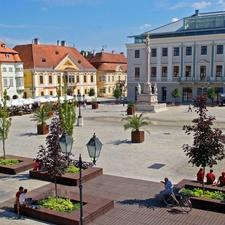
x=137, y=136
x=42, y=128
x=131, y=110
x=94, y=105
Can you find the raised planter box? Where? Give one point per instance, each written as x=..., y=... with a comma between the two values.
x=93, y=207
x=23, y=165
x=131, y=110
x=203, y=203
x=69, y=178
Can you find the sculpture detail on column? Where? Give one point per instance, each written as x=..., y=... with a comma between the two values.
x=139, y=89
x=155, y=89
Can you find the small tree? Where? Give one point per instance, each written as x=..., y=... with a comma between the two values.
x=117, y=93
x=211, y=94
x=207, y=147
x=41, y=115
x=5, y=122
x=91, y=92
x=53, y=159
x=175, y=94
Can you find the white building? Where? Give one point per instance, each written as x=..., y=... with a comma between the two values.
x=187, y=54
x=11, y=72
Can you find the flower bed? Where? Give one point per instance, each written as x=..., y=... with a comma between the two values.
x=211, y=199
x=15, y=164
x=71, y=179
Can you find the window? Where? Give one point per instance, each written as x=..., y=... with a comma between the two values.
x=51, y=92
x=137, y=72
x=203, y=50
x=43, y=60
x=113, y=78
x=188, y=71
x=164, y=71
x=78, y=80
x=109, y=78
x=42, y=93
x=176, y=71
x=4, y=69
x=219, y=70
x=202, y=72
x=176, y=51
x=59, y=80
x=188, y=51
x=10, y=69
x=11, y=83
x=92, y=78
x=219, y=49
x=71, y=79
x=164, y=51
x=18, y=69
x=19, y=82
x=5, y=81
x=50, y=79
x=41, y=79
x=153, y=71
x=154, y=52
x=7, y=56
x=85, y=91
x=85, y=78
x=137, y=54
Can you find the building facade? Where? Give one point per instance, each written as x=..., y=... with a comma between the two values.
x=48, y=67
x=11, y=72
x=111, y=71
x=188, y=55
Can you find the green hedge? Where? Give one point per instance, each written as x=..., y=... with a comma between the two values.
x=8, y=162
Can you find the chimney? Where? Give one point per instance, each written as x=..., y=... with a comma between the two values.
x=113, y=51
x=63, y=43
x=36, y=41
x=58, y=42
x=121, y=53
x=196, y=12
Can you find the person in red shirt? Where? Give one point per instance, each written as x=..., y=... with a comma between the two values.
x=200, y=175
x=37, y=165
x=17, y=203
x=221, y=180
x=210, y=177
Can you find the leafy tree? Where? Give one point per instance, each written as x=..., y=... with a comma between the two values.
x=136, y=122
x=52, y=157
x=211, y=94
x=91, y=92
x=41, y=115
x=207, y=146
x=175, y=94
x=117, y=93
x=5, y=122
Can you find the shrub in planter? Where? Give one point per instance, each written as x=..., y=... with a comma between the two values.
x=41, y=116
x=134, y=123
x=9, y=162
x=130, y=108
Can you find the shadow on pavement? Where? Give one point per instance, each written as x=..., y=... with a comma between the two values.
x=29, y=134
x=119, y=142
x=148, y=203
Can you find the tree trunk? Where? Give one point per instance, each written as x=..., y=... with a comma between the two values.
x=203, y=185
x=3, y=146
x=56, y=190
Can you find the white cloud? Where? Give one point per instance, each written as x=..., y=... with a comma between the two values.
x=145, y=26
x=12, y=26
x=174, y=19
x=201, y=5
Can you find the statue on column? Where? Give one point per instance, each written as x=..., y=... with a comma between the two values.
x=147, y=41
x=139, y=89
x=155, y=89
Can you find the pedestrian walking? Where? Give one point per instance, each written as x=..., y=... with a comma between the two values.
x=189, y=108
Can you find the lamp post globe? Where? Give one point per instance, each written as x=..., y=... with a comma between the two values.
x=66, y=143
x=94, y=147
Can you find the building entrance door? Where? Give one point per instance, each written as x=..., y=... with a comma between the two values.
x=187, y=95
x=164, y=94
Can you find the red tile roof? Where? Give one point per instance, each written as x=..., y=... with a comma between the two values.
x=7, y=54
x=109, y=61
x=49, y=56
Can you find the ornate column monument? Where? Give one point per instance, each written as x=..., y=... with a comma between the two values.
x=147, y=98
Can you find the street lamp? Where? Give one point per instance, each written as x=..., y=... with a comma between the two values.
x=94, y=147
x=66, y=143
x=80, y=118
x=80, y=164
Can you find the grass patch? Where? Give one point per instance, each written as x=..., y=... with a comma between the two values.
x=72, y=169
x=198, y=192
x=8, y=162
x=59, y=204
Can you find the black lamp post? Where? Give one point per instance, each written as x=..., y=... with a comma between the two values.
x=94, y=147
x=80, y=118
x=66, y=143
x=80, y=164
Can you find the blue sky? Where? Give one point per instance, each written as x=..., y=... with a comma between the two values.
x=91, y=24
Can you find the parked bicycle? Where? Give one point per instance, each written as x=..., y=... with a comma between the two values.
x=182, y=201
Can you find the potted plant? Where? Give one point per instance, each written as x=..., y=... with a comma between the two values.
x=94, y=103
x=117, y=93
x=134, y=123
x=175, y=94
x=130, y=108
x=41, y=116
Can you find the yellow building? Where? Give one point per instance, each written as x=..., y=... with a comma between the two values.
x=48, y=66
x=111, y=71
